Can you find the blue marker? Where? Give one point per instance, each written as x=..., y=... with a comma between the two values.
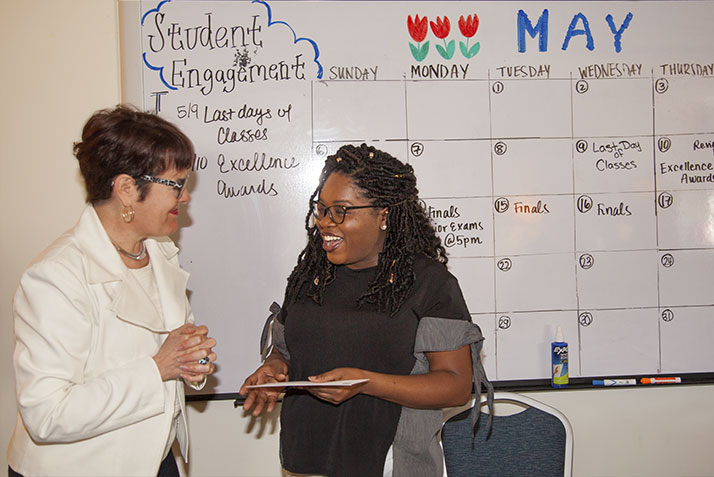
x=614, y=382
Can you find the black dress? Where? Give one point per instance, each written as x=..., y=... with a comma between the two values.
x=353, y=438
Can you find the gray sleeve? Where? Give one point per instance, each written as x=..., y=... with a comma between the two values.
x=273, y=335
x=279, y=339
x=438, y=334
x=416, y=444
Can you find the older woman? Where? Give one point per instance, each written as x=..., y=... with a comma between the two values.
x=104, y=332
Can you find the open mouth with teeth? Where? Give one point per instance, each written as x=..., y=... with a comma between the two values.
x=331, y=242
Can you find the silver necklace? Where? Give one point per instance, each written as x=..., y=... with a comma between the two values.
x=134, y=256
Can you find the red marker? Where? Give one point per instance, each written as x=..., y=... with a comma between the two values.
x=660, y=380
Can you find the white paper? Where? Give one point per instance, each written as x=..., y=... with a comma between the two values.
x=284, y=384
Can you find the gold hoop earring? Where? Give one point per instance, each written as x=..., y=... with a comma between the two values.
x=127, y=213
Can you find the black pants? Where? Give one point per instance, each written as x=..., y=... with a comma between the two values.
x=168, y=468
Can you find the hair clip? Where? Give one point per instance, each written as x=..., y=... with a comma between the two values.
x=316, y=281
x=371, y=155
x=338, y=160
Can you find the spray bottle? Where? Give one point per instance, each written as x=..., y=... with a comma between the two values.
x=559, y=359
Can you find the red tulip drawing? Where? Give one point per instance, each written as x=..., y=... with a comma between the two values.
x=441, y=29
x=469, y=27
x=418, y=29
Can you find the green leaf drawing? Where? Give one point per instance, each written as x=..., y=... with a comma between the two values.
x=419, y=52
x=451, y=49
x=448, y=52
x=424, y=50
x=464, y=51
x=471, y=52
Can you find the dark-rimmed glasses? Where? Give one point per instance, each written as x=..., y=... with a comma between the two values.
x=337, y=213
x=179, y=186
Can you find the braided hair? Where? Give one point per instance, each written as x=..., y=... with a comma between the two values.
x=388, y=183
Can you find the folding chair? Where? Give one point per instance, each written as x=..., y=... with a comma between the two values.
x=537, y=441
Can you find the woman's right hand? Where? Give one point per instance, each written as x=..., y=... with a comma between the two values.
x=185, y=344
x=274, y=370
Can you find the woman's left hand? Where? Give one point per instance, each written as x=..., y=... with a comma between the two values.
x=447, y=384
x=198, y=347
x=337, y=394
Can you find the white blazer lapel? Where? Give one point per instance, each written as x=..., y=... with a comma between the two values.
x=129, y=300
x=171, y=281
x=133, y=305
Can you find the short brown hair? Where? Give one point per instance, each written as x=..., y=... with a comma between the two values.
x=124, y=140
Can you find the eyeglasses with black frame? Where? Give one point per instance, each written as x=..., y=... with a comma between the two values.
x=178, y=185
x=337, y=213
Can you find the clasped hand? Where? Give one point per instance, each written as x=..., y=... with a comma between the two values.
x=181, y=351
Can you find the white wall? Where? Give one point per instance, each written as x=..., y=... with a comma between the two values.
x=59, y=61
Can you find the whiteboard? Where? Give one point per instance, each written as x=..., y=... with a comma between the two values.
x=567, y=161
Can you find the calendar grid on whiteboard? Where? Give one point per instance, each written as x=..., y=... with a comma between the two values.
x=515, y=314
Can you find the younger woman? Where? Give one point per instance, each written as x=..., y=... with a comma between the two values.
x=370, y=298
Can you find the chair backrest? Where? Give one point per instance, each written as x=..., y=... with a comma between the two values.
x=538, y=441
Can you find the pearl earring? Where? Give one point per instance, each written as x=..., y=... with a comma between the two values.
x=383, y=226
x=127, y=213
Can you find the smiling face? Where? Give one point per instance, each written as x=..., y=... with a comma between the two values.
x=358, y=240
x=157, y=214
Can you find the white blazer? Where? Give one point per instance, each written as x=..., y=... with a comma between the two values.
x=90, y=397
